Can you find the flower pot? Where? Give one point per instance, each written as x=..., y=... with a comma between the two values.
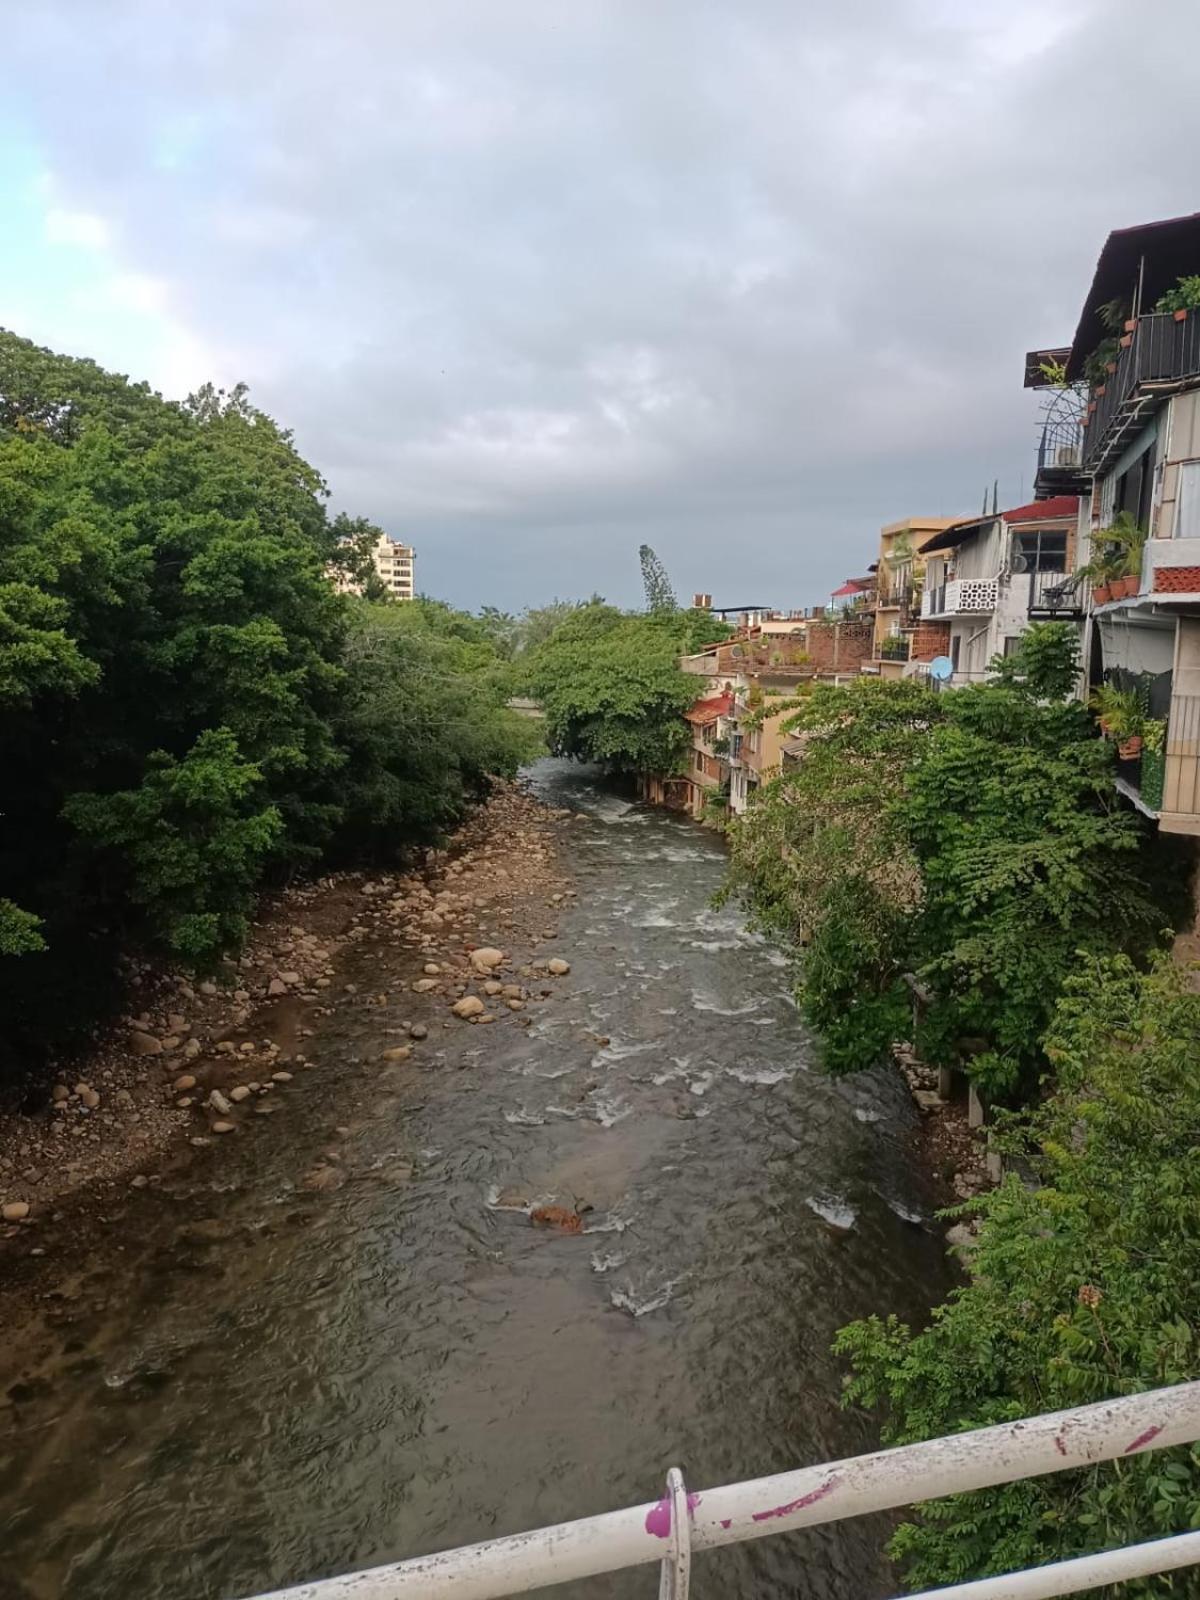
x=1126, y=340
x=1125, y=588
x=1099, y=391
x=1110, y=366
x=1180, y=316
x=1129, y=749
x=1130, y=324
x=1101, y=594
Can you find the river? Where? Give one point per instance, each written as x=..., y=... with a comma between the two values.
x=331, y=1381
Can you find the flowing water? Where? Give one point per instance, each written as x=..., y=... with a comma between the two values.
x=303, y=1384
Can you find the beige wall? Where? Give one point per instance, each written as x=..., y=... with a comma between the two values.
x=1183, y=444
x=917, y=530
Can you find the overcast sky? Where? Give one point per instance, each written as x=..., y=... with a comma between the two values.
x=535, y=281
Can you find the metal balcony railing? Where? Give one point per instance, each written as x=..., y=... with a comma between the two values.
x=667, y=1533
x=1161, y=352
x=1181, y=779
x=1055, y=594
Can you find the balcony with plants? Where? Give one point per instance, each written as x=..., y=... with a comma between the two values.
x=1140, y=740
x=1141, y=360
x=1115, y=571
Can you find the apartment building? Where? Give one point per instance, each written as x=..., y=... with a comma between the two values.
x=987, y=578
x=899, y=577
x=1134, y=365
x=394, y=561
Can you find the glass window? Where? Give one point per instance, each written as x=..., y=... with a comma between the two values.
x=1187, y=504
x=1043, y=552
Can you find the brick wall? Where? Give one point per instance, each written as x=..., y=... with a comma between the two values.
x=930, y=639
x=1177, y=580
x=840, y=646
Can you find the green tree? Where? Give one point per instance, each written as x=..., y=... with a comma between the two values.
x=660, y=597
x=1084, y=1285
x=612, y=689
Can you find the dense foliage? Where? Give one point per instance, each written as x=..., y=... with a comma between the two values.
x=1085, y=1284
x=965, y=845
x=185, y=706
x=611, y=687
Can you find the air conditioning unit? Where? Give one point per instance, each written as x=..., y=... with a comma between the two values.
x=1067, y=455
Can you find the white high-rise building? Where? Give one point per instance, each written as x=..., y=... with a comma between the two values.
x=395, y=562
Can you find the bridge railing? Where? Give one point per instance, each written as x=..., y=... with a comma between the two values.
x=668, y=1532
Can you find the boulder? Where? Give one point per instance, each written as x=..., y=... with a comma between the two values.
x=145, y=1044
x=469, y=1006
x=557, y=967
x=486, y=958
x=277, y=986
x=492, y=986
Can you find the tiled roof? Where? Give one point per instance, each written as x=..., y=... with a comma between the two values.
x=1059, y=505
x=703, y=711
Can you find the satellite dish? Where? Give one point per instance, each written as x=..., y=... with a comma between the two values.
x=1020, y=562
x=941, y=669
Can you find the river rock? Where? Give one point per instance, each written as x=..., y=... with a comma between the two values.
x=469, y=1006
x=418, y=1030
x=290, y=978
x=60, y=1092
x=183, y=1083
x=90, y=1099
x=277, y=986
x=399, y=1052
x=178, y=1023
x=492, y=987
x=281, y=1077
x=424, y=985
x=431, y=968
x=15, y=1211
x=145, y=1044
x=484, y=959
x=222, y=1127
x=557, y=967
x=219, y=1103
x=962, y=1238
x=242, y=1092
x=515, y=1005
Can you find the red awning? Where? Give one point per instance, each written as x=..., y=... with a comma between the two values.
x=846, y=589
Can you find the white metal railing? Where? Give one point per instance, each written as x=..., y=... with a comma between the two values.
x=960, y=596
x=667, y=1531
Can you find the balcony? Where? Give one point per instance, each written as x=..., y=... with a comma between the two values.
x=897, y=597
x=960, y=597
x=1163, y=354
x=1060, y=451
x=1054, y=596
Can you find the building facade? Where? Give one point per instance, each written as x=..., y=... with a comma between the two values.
x=988, y=578
x=394, y=561
x=899, y=577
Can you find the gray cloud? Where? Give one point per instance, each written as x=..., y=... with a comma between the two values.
x=536, y=282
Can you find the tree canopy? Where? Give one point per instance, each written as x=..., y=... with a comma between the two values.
x=965, y=843
x=611, y=686
x=1084, y=1285
x=185, y=697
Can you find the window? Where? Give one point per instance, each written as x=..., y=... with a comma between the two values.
x=1043, y=551
x=1012, y=643
x=1187, y=503
x=955, y=650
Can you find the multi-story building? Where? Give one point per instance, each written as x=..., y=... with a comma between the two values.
x=989, y=577
x=395, y=562
x=1136, y=360
x=755, y=742
x=708, y=768
x=899, y=573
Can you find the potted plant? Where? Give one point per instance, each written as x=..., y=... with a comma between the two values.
x=1120, y=715
x=1184, y=297
x=1126, y=541
x=1154, y=761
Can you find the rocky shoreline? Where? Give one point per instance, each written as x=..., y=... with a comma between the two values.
x=192, y=1062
